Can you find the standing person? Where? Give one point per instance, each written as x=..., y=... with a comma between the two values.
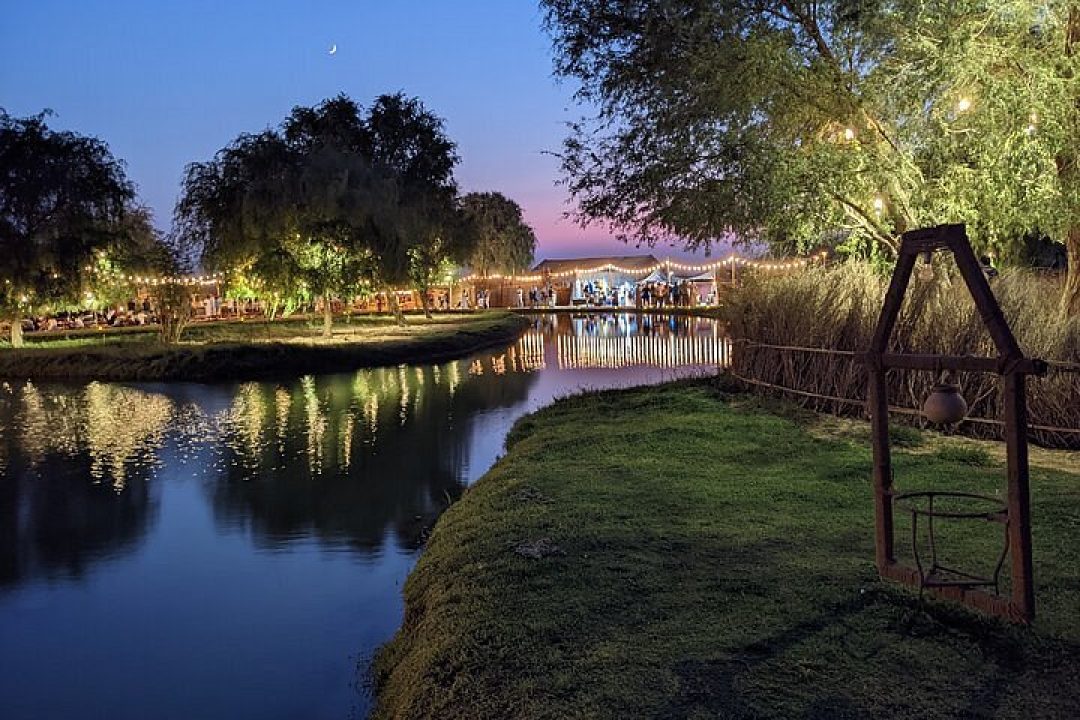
x=520, y=298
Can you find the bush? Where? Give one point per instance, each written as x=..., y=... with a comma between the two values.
x=837, y=308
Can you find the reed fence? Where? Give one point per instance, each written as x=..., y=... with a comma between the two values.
x=803, y=337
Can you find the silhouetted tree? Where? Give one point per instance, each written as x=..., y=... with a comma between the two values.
x=502, y=242
x=63, y=198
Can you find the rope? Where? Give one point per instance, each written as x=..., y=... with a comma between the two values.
x=1055, y=365
x=1063, y=367
x=898, y=409
x=821, y=351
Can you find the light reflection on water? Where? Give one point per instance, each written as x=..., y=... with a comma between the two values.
x=180, y=550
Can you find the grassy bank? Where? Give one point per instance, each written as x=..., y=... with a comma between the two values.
x=262, y=349
x=703, y=556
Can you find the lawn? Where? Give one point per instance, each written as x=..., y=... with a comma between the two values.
x=256, y=349
x=676, y=552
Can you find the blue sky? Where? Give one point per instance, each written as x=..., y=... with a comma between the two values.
x=166, y=83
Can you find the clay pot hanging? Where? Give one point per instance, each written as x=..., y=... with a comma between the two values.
x=945, y=405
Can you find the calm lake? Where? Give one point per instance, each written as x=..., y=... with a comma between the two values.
x=238, y=550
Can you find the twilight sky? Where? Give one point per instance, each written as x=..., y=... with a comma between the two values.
x=168, y=82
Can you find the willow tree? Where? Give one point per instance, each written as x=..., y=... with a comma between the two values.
x=315, y=204
x=502, y=242
x=296, y=208
x=801, y=122
x=999, y=84
x=410, y=142
x=63, y=198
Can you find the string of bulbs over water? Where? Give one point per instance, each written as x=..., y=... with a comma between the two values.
x=669, y=265
x=730, y=261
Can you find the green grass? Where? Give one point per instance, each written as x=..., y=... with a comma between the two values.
x=714, y=558
x=260, y=349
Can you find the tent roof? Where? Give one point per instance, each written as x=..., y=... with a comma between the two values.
x=632, y=262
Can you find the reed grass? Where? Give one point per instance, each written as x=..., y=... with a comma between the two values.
x=837, y=308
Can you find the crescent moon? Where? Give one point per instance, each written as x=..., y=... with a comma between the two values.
x=333, y=49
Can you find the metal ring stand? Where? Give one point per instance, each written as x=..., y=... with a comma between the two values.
x=937, y=575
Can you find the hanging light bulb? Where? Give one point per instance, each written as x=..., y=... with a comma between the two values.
x=849, y=134
x=879, y=205
x=963, y=105
x=926, y=270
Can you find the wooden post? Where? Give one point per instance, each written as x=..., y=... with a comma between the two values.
x=1023, y=586
x=878, y=406
x=879, y=427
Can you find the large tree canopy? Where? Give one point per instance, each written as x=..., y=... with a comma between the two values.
x=65, y=201
x=847, y=122
x=326, y=204
x=502, y=242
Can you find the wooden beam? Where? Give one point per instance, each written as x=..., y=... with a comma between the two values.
x=1018, y=491
x=987, y=602
x=878, y=406
x=894, y=298
x=985, y=302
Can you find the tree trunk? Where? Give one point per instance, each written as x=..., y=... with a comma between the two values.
x=424, y=303
x=328, y=316
x=16, y=333
x=395, y=307
x=1070, y=296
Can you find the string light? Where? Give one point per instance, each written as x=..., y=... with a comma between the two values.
x=963, y=105
x=849, y=134
x=118, y=276
x=669, y=265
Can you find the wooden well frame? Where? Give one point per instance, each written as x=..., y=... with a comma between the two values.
x=1013, y=368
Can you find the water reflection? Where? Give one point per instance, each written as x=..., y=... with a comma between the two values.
x=348, y=459
x=75, y=467
x=229, y=550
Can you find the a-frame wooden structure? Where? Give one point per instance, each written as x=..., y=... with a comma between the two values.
x=1013, y=368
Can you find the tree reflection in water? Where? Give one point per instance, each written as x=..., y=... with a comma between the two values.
x=347, y=459
x=75, y=467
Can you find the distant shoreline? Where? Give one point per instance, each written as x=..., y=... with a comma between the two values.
x=441, y=340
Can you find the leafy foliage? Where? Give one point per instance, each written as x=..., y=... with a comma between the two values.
x=502, y=241
x=847, y=123
x=327, y=205
x=63, y=197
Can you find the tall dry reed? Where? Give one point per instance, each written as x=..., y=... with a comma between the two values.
x=837, y=308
